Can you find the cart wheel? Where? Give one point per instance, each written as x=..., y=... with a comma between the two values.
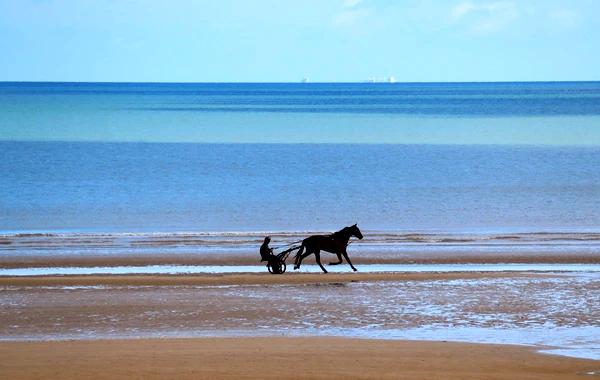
x=278, y=268
x=274, y=269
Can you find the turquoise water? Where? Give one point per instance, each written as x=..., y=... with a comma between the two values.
x=422, y=113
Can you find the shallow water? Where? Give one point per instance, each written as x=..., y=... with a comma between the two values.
x=309, y=268
x=235, y=248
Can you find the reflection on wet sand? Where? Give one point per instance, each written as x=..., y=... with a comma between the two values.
x=557, y=311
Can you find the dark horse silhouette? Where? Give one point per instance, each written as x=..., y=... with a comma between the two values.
x=334, y=243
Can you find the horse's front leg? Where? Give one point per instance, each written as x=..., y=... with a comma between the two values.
x=348, y=260
x=318, y=258
x=339, y=256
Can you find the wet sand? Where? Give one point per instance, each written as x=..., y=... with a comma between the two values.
x=246, y=279
x=540, y=309
x=299, y=326
x=281, y=358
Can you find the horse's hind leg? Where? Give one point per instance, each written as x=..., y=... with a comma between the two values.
x=300, y=258
x=339, y=256
x=318, y=258
x=348, y=260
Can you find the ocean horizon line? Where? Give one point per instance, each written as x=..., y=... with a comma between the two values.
x=295, y=82
x=517, y=145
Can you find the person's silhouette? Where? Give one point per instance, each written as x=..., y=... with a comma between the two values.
x=266, y=253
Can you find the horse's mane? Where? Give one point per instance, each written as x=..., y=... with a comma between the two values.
x=340, y=232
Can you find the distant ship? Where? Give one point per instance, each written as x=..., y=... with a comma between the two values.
x=381, y=80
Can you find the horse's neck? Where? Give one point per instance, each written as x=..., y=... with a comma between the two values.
x=341, y=235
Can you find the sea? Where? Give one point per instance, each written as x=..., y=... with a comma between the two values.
x=110, y=166
x=124, y=171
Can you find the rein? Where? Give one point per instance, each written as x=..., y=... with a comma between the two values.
x=287, y=245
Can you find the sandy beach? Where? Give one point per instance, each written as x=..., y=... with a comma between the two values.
x=281, y=358
x=471, y=321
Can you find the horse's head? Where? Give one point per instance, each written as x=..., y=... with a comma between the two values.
x=356, y=231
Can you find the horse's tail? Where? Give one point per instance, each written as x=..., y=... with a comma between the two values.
x=298, y=254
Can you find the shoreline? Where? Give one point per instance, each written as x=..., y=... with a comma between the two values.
x=11, y=261
x=282, y=358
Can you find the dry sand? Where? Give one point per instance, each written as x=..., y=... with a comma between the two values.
x=281, y=358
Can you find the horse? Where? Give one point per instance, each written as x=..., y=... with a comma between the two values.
x=334, y=243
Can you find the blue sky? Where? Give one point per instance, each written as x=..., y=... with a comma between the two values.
x=324, y=40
